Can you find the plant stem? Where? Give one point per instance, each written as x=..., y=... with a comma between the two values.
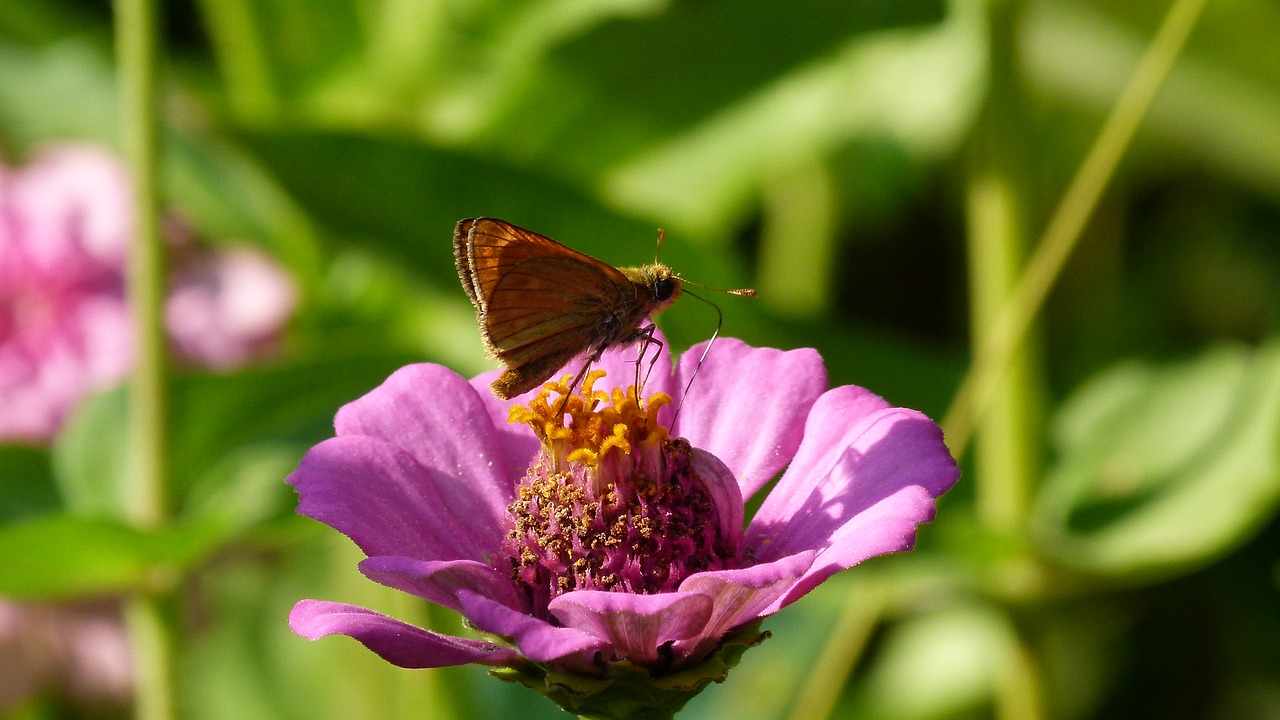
x=150, y=628
x=1063, y=231
x=1007, y=459
x=148, y=412
x=862, y=612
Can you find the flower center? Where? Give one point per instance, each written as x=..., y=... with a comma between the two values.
x=611, y=502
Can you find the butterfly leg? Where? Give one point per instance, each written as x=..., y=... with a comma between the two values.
x=647, y=340
x=577, y=379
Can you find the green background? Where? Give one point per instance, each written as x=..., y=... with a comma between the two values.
x=1112, y=549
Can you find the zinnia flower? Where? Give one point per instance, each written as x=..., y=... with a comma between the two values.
x=606, y=557
x=65, y=227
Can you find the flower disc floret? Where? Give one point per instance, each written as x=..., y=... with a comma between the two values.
x=611, y=502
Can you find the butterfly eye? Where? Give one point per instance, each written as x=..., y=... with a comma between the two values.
x=664, y=288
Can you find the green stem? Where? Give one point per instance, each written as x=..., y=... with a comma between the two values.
x=1063, y=231
x=798, y=242
x=241, y=51
x=1006, y=460
x=848, y=638
x=150, y=628
x=151, y=640
x=148, y=412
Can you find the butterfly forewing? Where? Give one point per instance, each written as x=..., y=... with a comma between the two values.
x=529, y=313
x=539, y=303
x=494, y=248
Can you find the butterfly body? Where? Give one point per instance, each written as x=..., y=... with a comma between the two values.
x=540, y=304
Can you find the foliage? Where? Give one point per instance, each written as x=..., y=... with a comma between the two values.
x=824, y=152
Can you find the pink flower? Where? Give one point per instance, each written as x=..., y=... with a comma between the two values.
x=227, y=308
x=76, y=652
x=613, y=549
x=65, y=329
x=64, y=325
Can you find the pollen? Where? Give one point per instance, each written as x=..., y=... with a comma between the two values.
x=586, y=427
x=611, y=502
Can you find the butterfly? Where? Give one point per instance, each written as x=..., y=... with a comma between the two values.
x=540, y=304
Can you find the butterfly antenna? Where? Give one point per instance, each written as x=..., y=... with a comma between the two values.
x=705, y=350
x=740, y=292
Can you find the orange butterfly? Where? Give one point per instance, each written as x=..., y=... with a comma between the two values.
x=539, y=303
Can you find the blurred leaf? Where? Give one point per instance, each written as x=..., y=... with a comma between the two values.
x=405, y=197
x=66, y=92
x=245, y=487
x=268, y=51
x=632, y=80
x=26, y=482
x=943, y=664
x=228, y=431
x=89, y=456
x=45, y=20
x=62, y=556
x=1221, y=103
x=1164, y=469
x=919, y=90
x=215, y=414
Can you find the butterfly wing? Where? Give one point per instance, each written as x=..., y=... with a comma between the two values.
x=539, y=303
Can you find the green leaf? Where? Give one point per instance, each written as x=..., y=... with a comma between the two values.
x=89, y=456
x=59, y=556
x=26, y=482
x=234, y=437
x=404, y=198
x=1164, y=469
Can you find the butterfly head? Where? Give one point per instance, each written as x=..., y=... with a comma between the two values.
x=661, y=283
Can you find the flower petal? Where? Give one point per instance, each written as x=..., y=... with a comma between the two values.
x=437, y=416
x=379, y=496
x=725, y=494
x=747, y=405
x=635, y=625
x=889, y=526
x=741, y=596
x=440, y=582
x=538, y=640
x=396, y=642
x=518, y=443
x=857, y=451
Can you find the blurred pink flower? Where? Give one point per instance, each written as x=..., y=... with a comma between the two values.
x=65, y=226
x=64, y=325
x=76, y=652
x=228, y=308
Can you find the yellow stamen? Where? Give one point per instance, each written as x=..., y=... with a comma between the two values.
x=598, y=421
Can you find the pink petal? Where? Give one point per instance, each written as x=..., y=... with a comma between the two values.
x=889, y=526
x=538, y=640
x=725, y=494
x=857, y=451
x=517, y=441
x=379, y=496
x=396, y=642
x=435, y=415
x=747, y=405
x=741, y=596
x=635, y=625
x=75, y=199
x=441, y=581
